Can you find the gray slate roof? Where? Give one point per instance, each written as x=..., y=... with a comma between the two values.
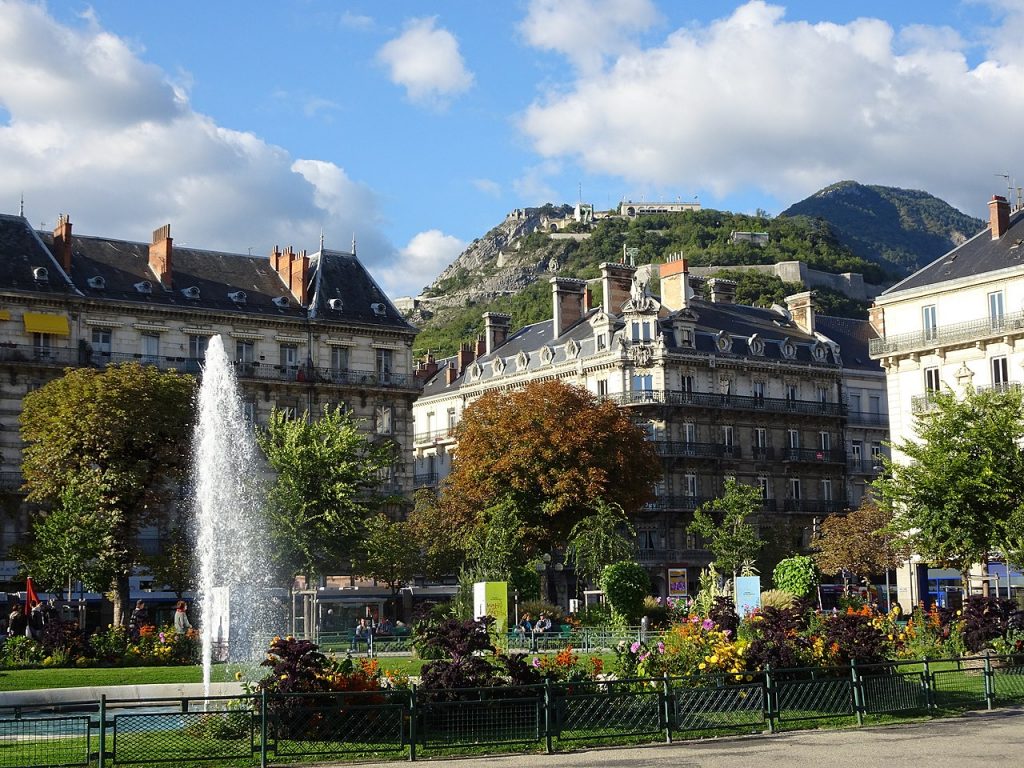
x=976, y=256
x=123, y=263
x=853, y=338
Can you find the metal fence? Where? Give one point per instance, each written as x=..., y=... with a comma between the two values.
x=265, y=729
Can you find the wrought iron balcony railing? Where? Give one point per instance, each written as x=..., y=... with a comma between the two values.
x=733, y=402
x=947, y=335
x=815, y=455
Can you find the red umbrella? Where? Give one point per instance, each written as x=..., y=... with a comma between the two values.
x=30, y=595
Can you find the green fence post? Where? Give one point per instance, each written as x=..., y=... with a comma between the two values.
x=548, y=719
x=667, y=708
x=769, y=692
x=263, y=728
x=101, y=759
x=412, y=723
x=929, y=687
x=858, y=692
x=990, y=683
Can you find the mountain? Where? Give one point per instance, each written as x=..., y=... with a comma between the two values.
x=880, y=232
x=901, y=228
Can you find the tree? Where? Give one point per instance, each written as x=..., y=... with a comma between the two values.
x=174, y=565
x=625, y=585
x=327, y=473
x=388, y=552
x=797, y=575
x=723, y=524
x=861, y=541
x=957, y=496
x=121, y=437
x=600, y=539
x=551, y=448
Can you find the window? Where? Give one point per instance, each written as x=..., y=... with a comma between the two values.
x=794, y=488
x=197, y=346
x=792, y=392
x=602, y=387
x=931, y=380
x=41, y=343
x=929, y=324
x=602, y=341
x=686, y=383
x=643, y=383
x=288, y=408
x=824, y=441
x=384, y=365
x=646, y=539
x=875, y=404
x=102, y=341
x=826, y=490
x=245, y=351
x=289, y=357
x=793, y=436
x=641, y=331
x=690, y=485
x=766, y=487
x=995, y=309
x=1000, y=373
x=150, y=347
x=856, y=453
x=760, y=437
x=382, y=419
x=759, y=390
x=876, y=453
x=339, y=360
x=249, y=411
x=451, y=418
x=727, y=437
x=855, y=403
x=689, y=432
x=822, y=394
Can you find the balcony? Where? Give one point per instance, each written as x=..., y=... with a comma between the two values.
x=424, y=480
x=671, y=448
x=668, y=501
x=815, y=506
x=731, y=402
x=433, y=436
x=868, y=466
x=815, y=455
x=948, y=335
x=867, y=419
x=63, y=357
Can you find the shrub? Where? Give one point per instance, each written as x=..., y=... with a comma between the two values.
x=21, y=651
x=797, y=575
x=776, y=639
x=723, y=614
x=777, y=598
x=988, y=618
x=111, y=644
x=656, y=612
x=851, y=636
x=64, y=640
x=625, y=585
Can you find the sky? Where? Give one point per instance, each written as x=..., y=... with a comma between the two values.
x=415, y=126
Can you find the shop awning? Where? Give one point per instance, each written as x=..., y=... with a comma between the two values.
x=37, y=322
x=5, y=314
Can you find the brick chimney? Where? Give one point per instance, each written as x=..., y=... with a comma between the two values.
x=675, y=283
x=451, y=373
x=616, y=280
x=160, y=252
x=496, y=328
x=293, y=269
x=465, y=356
x=801, y=307
x=567, y=303
x=588, y=300
x=998, y=216
x=62, y=242
x=722, y=291
x=426, y=368
x=481, y=347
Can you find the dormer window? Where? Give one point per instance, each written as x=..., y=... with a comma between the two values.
x=641, y=331
x=602, y=341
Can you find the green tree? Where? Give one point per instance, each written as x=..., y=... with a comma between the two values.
x=862, y=541
x=600, y=539
x=958, y=494
x=797, y=575
x=174, y=565
x=388, y=552
x=121, y=437
x=327, y=475
x=625, y=585
x=552, y=449
x=723, y=522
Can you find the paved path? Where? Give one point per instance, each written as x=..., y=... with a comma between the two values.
x=985, y=739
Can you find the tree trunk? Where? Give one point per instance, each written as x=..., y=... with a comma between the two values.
x=120, y=596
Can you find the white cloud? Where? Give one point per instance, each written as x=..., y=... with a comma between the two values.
x=425, y=60
x=533, y=185
x=756, y=100
x=586, y=31
x=88, y=128
x=487, y=186
x=422, y=260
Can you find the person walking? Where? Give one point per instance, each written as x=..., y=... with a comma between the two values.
x=139, y=618
x=181, y=622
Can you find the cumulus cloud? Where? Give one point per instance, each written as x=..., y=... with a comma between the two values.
x=754, y=99
x=422, y=260
x=425, y=60
x=90, y=129
x=586, y=31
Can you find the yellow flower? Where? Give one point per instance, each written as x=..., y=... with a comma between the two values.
x=238, y=676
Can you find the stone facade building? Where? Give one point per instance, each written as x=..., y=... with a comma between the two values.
x=722, y=390
x=304, y=331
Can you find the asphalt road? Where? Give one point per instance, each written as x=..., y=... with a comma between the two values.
x=987, y=739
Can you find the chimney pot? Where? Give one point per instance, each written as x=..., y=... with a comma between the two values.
x=161, y=252
x=998, y=216
x=62, y=242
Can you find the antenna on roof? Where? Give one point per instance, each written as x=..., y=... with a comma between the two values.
x=21, y=208
x=1009, y=184
x=321, y=239
x=353, y=243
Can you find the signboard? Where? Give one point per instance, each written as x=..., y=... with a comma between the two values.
x=748, y=594
x=490, y=598
x=677, y=586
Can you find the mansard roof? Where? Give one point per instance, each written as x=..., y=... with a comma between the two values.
x=123, y=264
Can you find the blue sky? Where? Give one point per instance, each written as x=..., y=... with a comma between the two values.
x=417, y=125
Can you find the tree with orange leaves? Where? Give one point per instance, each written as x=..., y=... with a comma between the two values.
x=552, y=450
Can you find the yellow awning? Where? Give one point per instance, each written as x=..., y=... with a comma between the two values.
x=37, y=322
x=5, y=314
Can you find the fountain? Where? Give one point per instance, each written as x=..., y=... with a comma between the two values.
x=230, y=529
